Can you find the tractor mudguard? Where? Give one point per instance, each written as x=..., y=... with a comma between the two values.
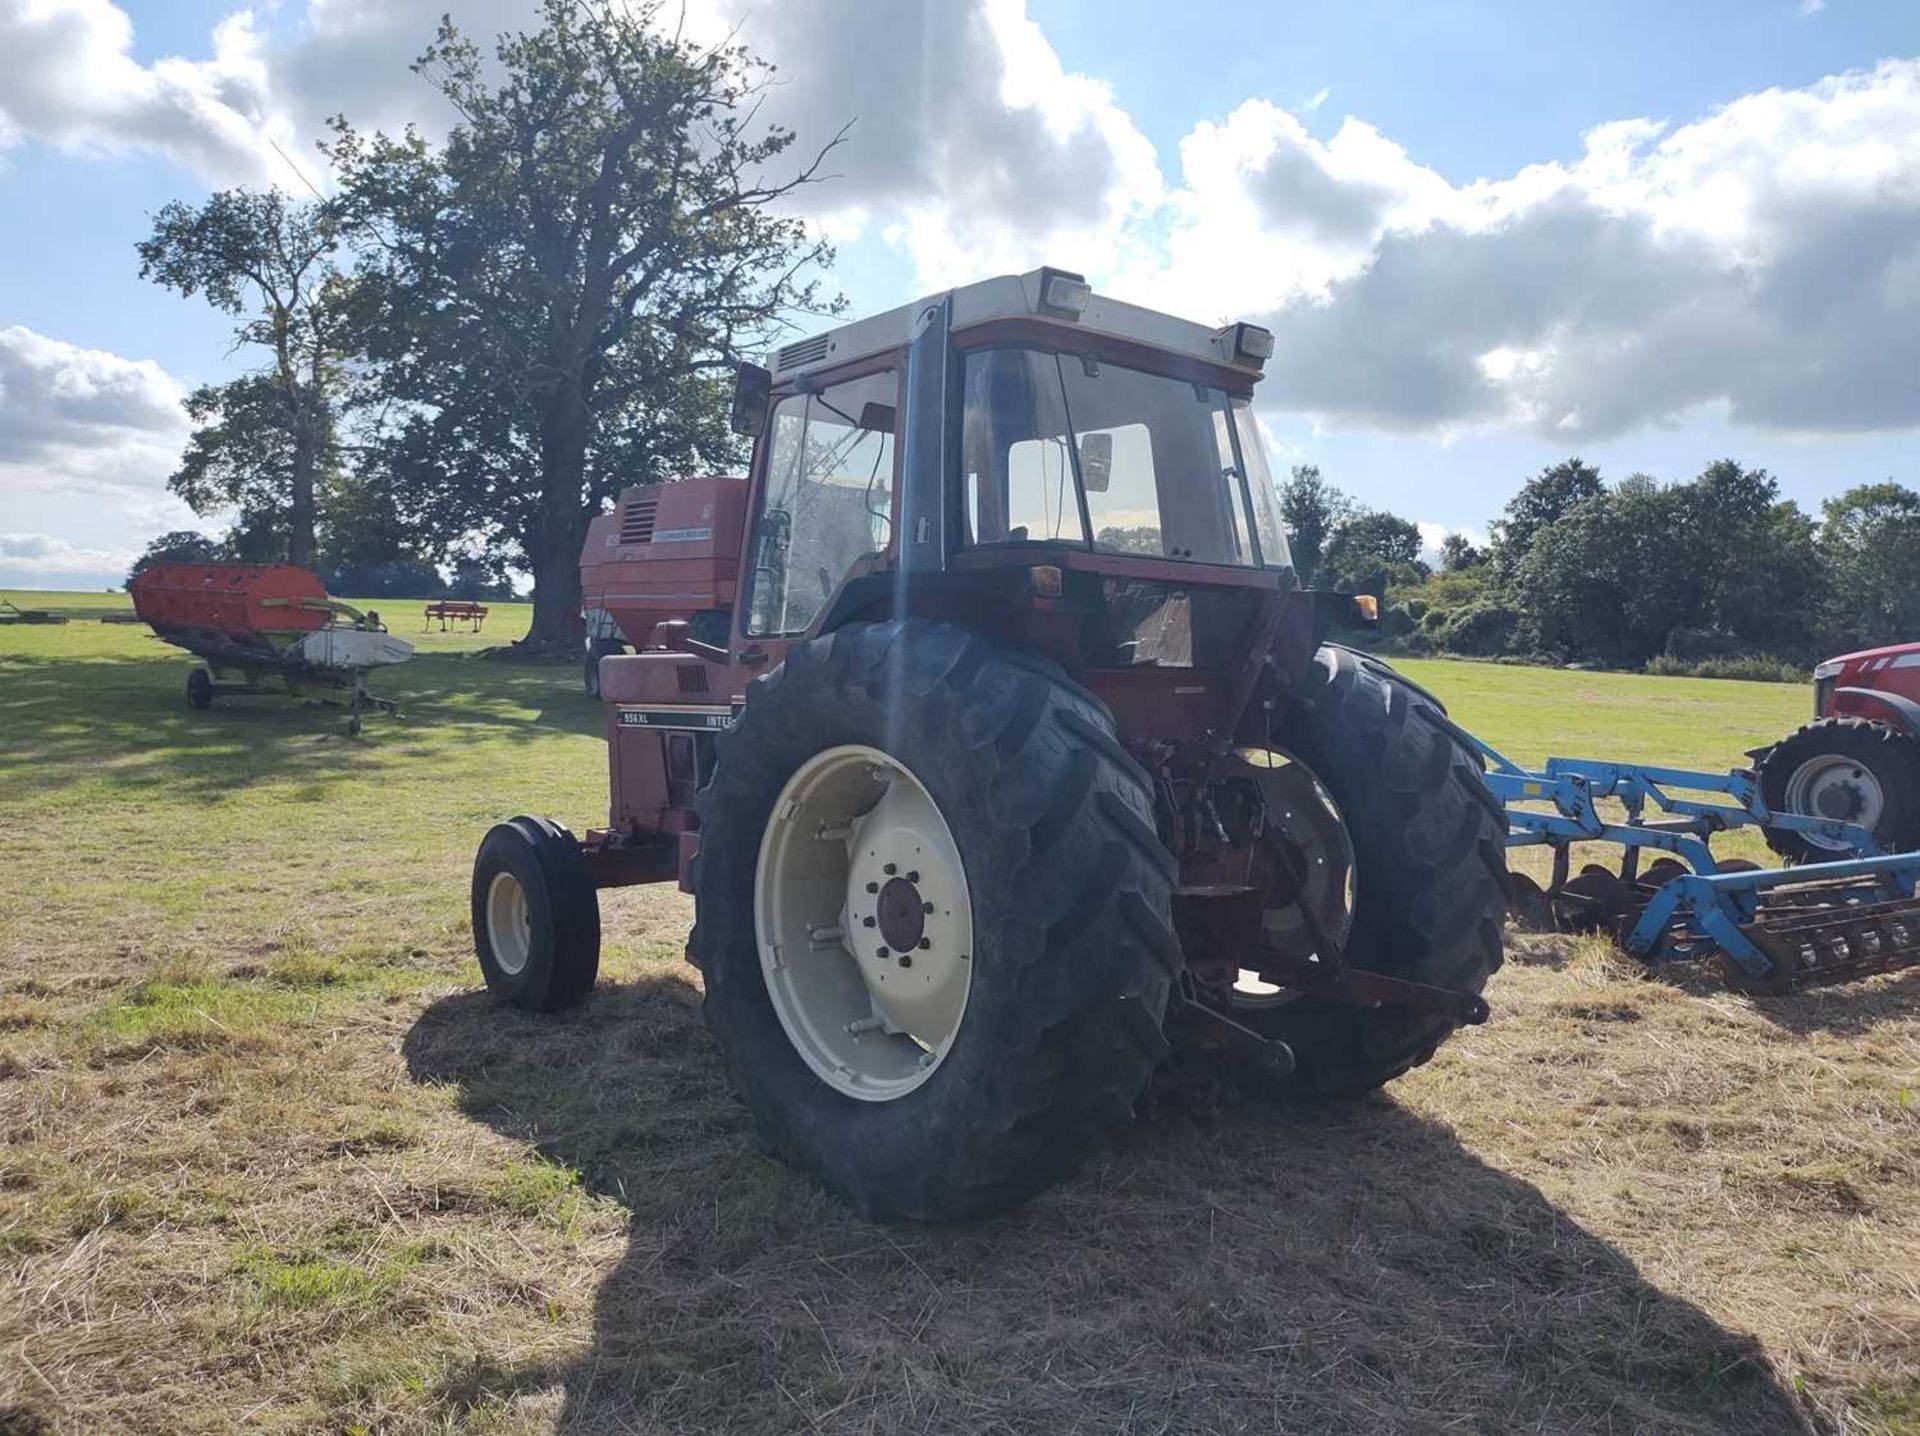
x=1893, y=709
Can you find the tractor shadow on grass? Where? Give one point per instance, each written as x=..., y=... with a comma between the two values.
x=1350, y=1269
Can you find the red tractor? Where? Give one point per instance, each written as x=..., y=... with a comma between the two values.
x=1001, y=751
x=1858, y=761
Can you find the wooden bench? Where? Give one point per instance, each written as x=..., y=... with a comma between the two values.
x=455, y=610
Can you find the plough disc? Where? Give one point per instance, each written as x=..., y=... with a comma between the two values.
x=1528, y=904
x=1593, y=901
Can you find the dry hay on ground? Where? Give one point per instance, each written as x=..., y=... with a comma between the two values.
x=306, y=1198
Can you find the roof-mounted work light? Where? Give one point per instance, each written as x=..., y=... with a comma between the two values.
x=1252, y=342
x=1064, y=294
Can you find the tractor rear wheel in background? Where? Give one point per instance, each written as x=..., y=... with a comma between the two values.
x=536, y=915
x=199, y=689
x=1425, y=894
x=598, y=649
x=1850, y=769
x=933, y=918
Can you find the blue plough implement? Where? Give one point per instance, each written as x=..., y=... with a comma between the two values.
x=1774, y=929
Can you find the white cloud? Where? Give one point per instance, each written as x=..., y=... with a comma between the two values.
x=1432, y=535
x=1761, y=262
x=67, y=78
x=46, y=556
x=87, y=436
x=971, y=145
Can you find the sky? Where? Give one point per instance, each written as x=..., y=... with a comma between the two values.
x=1487, y=234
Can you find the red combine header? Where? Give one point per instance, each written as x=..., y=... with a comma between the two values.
x=255, y=625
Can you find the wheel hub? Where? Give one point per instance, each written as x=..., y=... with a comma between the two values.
x=1835, y=787
x=1838, y=800
x=900, y=915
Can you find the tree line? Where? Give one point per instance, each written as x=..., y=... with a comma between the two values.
x=1714, y=574
x=468, y=347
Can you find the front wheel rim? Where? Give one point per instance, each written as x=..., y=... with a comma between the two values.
x=1832, y=785
x=509, y=923
x=864, y=923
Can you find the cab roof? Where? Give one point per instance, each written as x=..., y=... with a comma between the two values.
x=1029, y=296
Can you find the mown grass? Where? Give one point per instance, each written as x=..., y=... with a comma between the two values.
x=272, y=1162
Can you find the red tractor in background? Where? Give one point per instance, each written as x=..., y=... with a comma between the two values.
x=1858, y=761
x=666, y=551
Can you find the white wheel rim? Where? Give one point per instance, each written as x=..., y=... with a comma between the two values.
x=509, y=923
x=864, y=923
x=1833, y=785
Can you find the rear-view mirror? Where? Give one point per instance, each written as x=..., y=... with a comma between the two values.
x=1096, y=462
x=752, y=388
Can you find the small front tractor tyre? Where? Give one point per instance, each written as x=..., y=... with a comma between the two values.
x=1851, y=769
x=199, y=689
x=536, y=916
x=890, y=792
x=1429, y=879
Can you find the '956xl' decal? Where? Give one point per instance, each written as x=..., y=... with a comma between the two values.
x=699, y=720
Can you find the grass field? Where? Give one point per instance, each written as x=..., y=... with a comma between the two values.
x=273, y=1162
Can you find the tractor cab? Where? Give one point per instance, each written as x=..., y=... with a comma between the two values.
x=1019, y=445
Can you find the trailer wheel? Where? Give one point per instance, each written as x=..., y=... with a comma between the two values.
x=1852, y=769
x=199, y=689
x=1429, y=883
x=536, y=916
x=933, y=918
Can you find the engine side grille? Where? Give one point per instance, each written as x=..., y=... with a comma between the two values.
x=807, y=351
x=636, y=521
x=693, y=678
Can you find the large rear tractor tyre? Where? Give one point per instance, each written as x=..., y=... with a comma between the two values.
x=933, y=918
x=1850, y=769
x=1429, y=878
x=536, y=916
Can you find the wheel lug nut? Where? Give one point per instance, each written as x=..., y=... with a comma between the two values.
x=913, y=877
x=873, y=887
x=881, y=952
x=867, y=920
x=889, y=869
x=926, y=942
x=906, y=960
x=927, y=908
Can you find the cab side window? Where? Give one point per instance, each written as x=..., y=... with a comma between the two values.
x=827, y=500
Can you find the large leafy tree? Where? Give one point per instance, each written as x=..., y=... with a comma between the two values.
x=1546, y=497
x=1371, y=549
x=1310, y=508
x=178, y=546
x=562, y=284
x=264, y=441
x=1614, y=575
x=1870, y=539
